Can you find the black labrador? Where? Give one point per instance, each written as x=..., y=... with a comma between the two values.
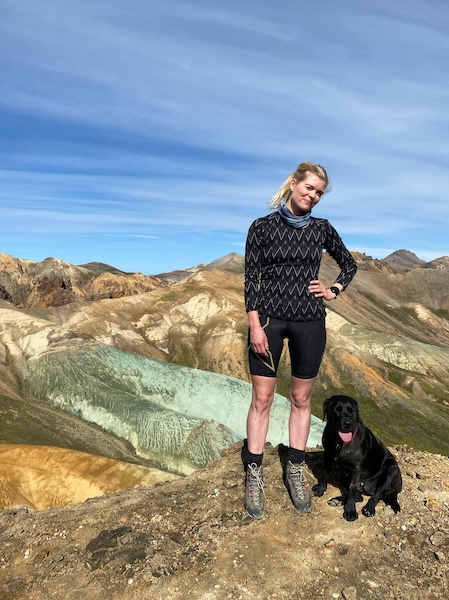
x=366, y=466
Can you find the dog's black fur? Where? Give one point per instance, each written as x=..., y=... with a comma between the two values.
x=366, y=466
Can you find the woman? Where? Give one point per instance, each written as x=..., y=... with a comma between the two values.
x=285, y=299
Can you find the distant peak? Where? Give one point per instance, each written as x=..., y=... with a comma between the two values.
x=233, y=262
x=99, y=266
x=404, y=258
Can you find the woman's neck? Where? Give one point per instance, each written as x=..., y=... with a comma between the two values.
x=300, y=213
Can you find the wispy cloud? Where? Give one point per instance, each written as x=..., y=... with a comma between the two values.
x=167, y=121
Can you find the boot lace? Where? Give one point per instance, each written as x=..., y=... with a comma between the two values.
x=298, y=479
x=255, y=483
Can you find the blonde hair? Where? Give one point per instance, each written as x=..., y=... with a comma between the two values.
x=303, y=170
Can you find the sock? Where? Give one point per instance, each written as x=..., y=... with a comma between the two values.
x=253, y=458
x=296, y=456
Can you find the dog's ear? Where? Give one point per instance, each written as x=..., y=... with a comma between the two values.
x=326, y=408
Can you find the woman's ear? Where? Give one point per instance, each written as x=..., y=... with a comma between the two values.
x=293, y=183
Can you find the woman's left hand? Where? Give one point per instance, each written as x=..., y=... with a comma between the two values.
x=319, y=291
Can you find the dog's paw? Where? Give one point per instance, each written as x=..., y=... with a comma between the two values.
x=368, y=510
x=395, y=506
x=350, y=515
x=318, y=489
x=337, y=501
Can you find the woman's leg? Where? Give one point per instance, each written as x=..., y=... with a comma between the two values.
x=259, y=412
x=306, y=343
x=299, y=427
x=256, y=432
x=300, y=411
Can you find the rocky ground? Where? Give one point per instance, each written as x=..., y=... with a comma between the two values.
x=190, y=538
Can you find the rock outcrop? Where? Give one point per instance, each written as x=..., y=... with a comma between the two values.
x=54, y=282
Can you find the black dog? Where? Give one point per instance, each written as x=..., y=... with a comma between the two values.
x=366, y=465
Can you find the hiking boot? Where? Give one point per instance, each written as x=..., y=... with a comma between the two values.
x=296, y=485
x=254, y=494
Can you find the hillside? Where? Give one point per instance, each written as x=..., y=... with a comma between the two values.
x=190, y=538
x=41, y=477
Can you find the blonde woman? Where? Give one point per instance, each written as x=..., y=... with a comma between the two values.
x=285, y=300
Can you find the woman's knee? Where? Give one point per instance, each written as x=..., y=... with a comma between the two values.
x=301, y=402
x=263, y=392
x=301, y=398
x=301, y=393
x=262, y=401
x=263, y=397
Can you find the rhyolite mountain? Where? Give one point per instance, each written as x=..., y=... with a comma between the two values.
x=54, y=282
x=388, y=334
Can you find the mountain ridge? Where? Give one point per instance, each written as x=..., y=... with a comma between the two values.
x=55, y=282
x=390, y=326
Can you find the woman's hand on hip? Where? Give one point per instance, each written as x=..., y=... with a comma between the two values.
x=319, y=291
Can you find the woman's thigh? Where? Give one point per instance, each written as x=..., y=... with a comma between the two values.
x=267, y=366
x=306, y=342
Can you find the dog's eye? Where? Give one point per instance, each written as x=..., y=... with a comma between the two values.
x=350, y=410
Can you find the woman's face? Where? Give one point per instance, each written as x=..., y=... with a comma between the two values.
x=306, y=194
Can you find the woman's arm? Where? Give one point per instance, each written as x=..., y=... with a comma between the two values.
x=336, y=248
x=253, y=256
x=257, y=338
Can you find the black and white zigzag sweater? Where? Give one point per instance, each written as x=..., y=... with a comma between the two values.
x=280, y=262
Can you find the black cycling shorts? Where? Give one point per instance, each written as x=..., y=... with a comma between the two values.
x=306, y=343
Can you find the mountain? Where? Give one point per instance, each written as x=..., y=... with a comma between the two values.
x=54, y=282
x=442, y=264
x=42, y=477
x=102, y=267
x=178, y=275
x=404, y=258
x=387, y=341
x=234, y=263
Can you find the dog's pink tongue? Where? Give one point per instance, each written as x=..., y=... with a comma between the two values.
x=346, y=437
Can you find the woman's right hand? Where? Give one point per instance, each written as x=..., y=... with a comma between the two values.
x=258, y=340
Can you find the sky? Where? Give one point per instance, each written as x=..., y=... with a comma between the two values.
x=149, y=134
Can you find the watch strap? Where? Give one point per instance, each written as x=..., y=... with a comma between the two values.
x=335, y=290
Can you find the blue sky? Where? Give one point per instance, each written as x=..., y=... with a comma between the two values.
x=149, y=134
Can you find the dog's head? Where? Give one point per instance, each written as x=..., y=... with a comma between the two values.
x=342, y=416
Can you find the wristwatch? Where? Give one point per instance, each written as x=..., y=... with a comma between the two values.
x=335, y=289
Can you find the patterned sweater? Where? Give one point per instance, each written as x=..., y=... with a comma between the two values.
x=280, y=262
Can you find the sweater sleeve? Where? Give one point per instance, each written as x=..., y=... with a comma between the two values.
x=336, y=248
x=253, y=253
